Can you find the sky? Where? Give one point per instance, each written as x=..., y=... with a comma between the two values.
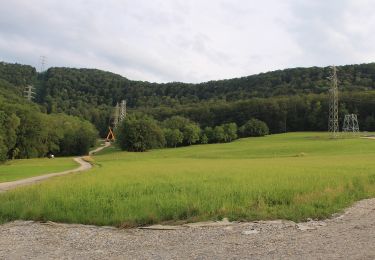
x=187, y=40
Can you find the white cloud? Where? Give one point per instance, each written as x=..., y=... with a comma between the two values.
x=191, y=41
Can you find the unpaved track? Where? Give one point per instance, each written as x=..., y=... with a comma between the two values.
x=84, y=166
x=350, y=236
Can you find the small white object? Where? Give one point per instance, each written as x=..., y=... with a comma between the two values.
x=250, y=232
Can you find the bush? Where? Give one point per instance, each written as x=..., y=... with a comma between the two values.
x=230, y=132
x=173, y=137
x=203, y=138
x=3, y=150
x=189, y=129
x=254, y=127
x=218, y=134
x=209, y=133
x=74, y=136
x=139, y=134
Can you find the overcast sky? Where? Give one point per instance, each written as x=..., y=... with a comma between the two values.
x=187, y=40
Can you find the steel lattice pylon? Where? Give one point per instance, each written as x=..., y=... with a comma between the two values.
x=29, y=92
x=116, y=115
x=333, y=118
x=119, y=114
x=122, y=110
x=350, y=124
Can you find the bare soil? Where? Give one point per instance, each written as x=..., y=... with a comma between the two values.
x=347, y=236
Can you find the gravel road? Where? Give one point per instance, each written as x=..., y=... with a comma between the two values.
x=83, y=166
x=348, y=236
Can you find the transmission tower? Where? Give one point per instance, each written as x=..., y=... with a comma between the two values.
x=119, y=113
x=42, y=63
x=122, y=110
x=351, y=123
x=29, y=92
x=116, y=115
x=333, y=118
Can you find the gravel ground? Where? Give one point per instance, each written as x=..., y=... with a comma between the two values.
x=348, y=236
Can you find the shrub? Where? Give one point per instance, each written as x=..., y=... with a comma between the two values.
x=254, y=127
x=203, y=138
x=230, y=132
x=173, y=137
x=189, y=129
x=209, y=133
x=139, y=134
x=218, y=134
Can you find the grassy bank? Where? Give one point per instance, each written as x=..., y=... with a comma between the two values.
x=21, y=169
x=291, y=176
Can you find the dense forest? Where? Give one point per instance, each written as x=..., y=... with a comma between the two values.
x=26, y=132
x=287, y=100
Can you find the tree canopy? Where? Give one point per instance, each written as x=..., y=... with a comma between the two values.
x=286, y=100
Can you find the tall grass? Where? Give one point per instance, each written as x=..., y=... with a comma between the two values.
x=290, y=176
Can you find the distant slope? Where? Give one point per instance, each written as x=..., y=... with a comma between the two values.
x=91, y=94
x=98, y=87
x=17, y=74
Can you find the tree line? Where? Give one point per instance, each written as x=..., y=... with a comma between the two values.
x=139, y=132
x=286, y=100
x=26, y=132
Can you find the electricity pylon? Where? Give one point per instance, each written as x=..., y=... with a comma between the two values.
x=122, y=110
x=119, y=114
x=116, y=115
x=42, y=62
x=333, y=118
x=29, y=92
x=351, y=124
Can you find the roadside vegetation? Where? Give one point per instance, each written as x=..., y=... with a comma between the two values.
x=290, y=176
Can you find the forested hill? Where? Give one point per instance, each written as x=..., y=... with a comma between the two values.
x=26, y=132
x=99, y=87
x=17, y=74
x=91, y=93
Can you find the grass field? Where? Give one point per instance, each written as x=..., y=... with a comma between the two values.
x=21, y=169
x=290, y=176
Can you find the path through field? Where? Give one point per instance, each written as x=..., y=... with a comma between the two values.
x=84, y=166
x=349, y=236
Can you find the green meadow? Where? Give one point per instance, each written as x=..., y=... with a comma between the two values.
x=25, y=168
x=290, y=176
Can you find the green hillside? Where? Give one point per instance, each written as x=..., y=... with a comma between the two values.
x=27, y=132
x=287, y=100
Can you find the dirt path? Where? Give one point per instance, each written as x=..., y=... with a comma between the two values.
x=349, y=236
x=84, y=166
x=106, y=144
x=369, y=137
